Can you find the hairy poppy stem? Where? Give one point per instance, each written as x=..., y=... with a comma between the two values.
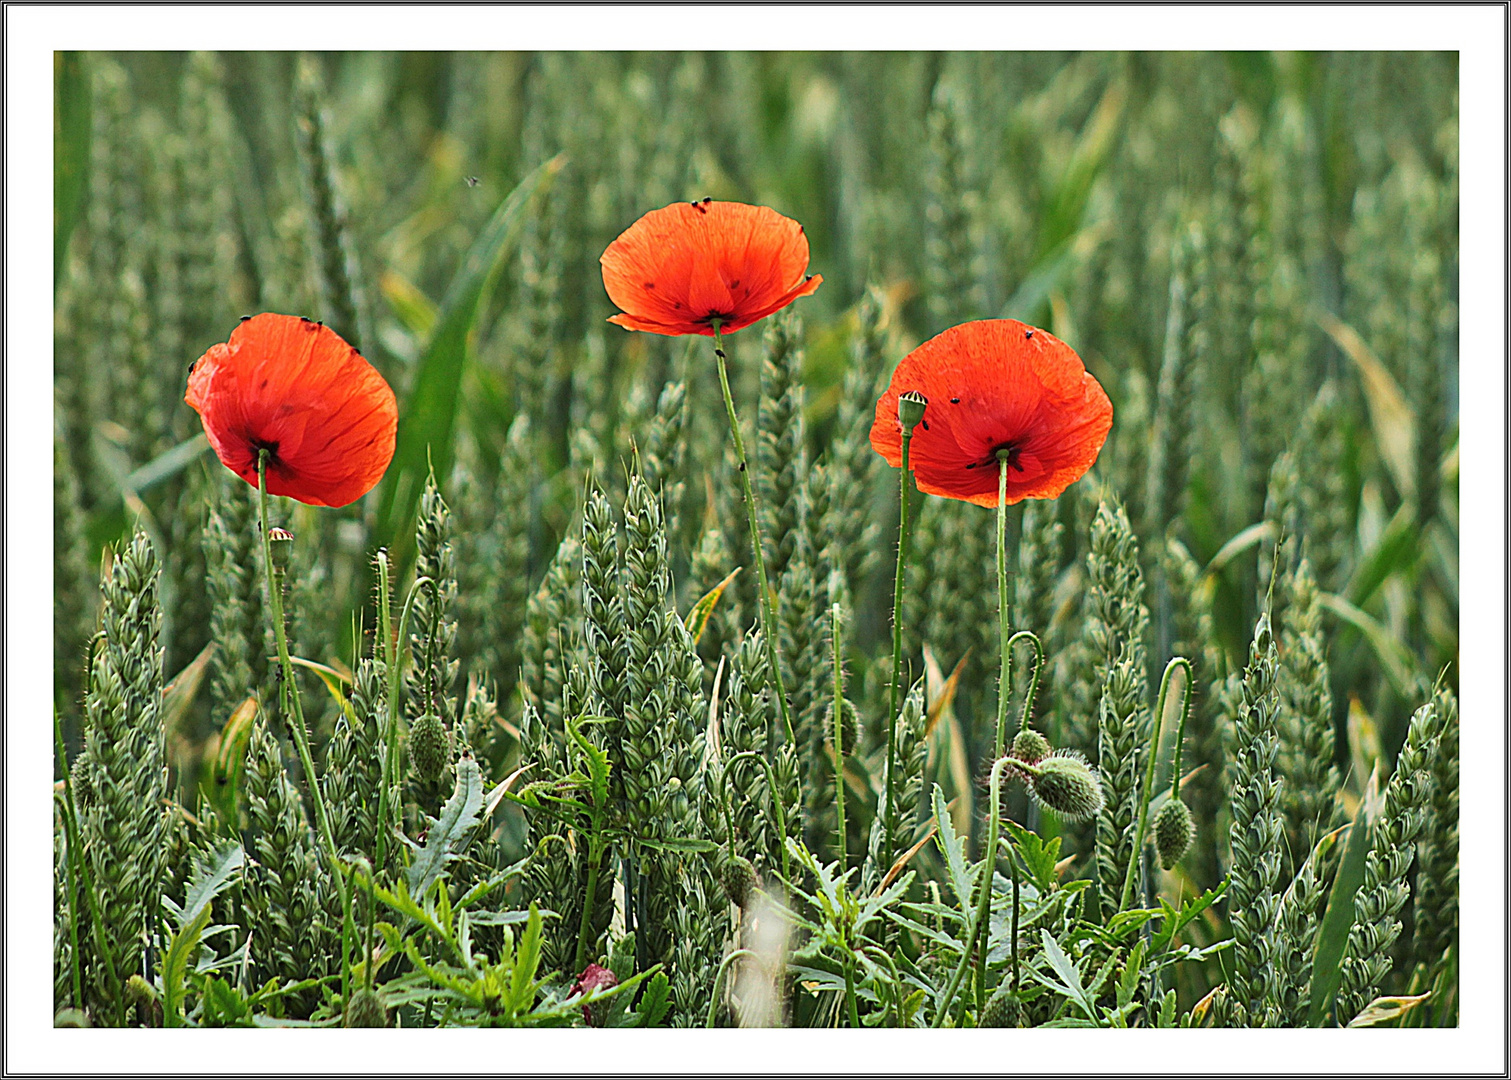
x=768, y=619
x=984, y=900
x=1005, y=678
x=294, y=714
x=888, y=847
x=776, y=801
x=1148, y=788
x=839, y=735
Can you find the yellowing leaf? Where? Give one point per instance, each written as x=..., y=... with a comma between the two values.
x=698, y=617
x=1383, y=1009
x=1389, y=414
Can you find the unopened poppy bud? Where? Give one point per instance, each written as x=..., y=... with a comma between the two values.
x=280, y=547
x=738, y=878
x=365, y=1010
x=1066, y=784
x=429, y=749
x=1173, y=832
x=1029, y=747
x=1002, y=1009
x=593, y=979
x=849, y=725
x=910, y=409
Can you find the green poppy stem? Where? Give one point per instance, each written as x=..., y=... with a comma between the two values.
x=889, y=815
x=294, y=714
x=839, y=735
x=752, y=511
x=1005, y=677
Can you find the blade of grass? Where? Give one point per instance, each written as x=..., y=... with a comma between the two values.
x=428, y=416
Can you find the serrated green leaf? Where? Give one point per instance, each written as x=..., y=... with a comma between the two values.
x=1038, y=855
x=206, y=883
x=655, y=999
x=458, y=817
x=960, y=878
x=1073, y=988
x=175, y=966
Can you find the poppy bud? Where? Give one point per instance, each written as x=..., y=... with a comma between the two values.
x=429, y=749
x=365, y=1010
x=1028, y=747
x=1173, y=832
x=738, y=878
x=1003, y=1009
x=910, y=409
x=849, y=726
x=1066, y=784
x=280, y=547
x=593, y=979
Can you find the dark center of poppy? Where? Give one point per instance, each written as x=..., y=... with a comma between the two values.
x=722, y=316
x=1007, y=451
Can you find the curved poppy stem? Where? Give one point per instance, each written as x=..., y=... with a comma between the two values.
x=1033, y=677
x=896, y=690
x=1148, y=786
x=776, y=800
x=294, y=714
x=752, y=511
x=1005, y=677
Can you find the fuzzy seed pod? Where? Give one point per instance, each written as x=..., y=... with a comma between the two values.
x=1173, y=832
x=1068, y=785
x=1003, y=1009
x=429, y=748
x=738, y=878
x=83, y=781
x=365, y=1010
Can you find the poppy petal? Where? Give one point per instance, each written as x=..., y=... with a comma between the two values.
x=680, y=267
x=996, y=384
x=296, y=389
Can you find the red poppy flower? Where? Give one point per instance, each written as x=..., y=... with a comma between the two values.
x=678, y=268
x=296, y=389
x=992, y=385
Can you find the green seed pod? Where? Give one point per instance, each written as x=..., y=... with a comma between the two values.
x=1030, y=747
x=911, y=406
x=738, y=878
x=1003, y=1009
x=280, y=548
x=429, y=748
x=1066, y=784
x=365, y=1010
x=1173, y=832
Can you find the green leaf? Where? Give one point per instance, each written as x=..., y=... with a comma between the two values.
x=655, y=999
x=428, y=415
x=1176, y=921
x=1073, y=987
x=952, y=847
x=458, y=817
x=1339, y=918
x=175, y=966
x=597, y=761
x=697, y=618
x=1039, y=856
x=223, y=1005
x=206, y=883
x=1396, y=661
x=526, y=963
x=1382, y=1010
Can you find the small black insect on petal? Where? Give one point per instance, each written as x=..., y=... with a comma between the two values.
x=954, y=401
x=246, y=318
x=193, y=366
x=1028, y=335
x=926, y=425
x=304, y=318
